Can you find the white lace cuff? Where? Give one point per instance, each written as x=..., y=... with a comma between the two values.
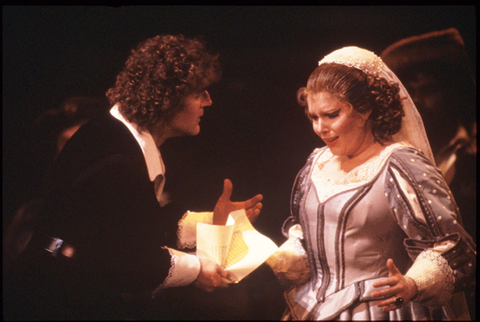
x=434, y=279
x=187, y=228
x=184, y=269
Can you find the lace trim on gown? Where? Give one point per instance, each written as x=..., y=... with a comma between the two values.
x=327, y=187
x=434, y=279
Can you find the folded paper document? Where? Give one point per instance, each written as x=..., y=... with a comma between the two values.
x=237, y=246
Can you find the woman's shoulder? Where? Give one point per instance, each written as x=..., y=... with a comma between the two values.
x=409, y=154
x=407, y=158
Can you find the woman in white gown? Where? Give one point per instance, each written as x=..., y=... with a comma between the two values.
x=374, y=231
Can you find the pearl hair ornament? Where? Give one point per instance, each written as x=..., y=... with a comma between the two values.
x=355, y=57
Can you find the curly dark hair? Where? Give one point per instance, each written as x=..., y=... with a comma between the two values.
x=159, y=74
x=363, y=92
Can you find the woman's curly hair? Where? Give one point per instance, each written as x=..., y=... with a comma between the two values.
x=159, y=74
x=363, y=92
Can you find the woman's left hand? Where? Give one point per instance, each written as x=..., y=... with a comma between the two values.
x=400, y=287
x=224, y=206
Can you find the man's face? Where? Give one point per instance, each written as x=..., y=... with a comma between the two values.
x=186, y=122
x=427, y=94
x=432, y=102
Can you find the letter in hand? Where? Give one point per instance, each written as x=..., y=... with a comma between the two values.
x=399, y=286
x=211, y=276
x=224, y=206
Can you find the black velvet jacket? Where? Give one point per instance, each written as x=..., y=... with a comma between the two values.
x=102, y=202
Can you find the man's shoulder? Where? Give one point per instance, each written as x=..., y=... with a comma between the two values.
x=105, y=132
x=98, y=139
x=105, y=125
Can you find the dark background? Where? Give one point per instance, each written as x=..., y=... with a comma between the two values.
x=254, y=133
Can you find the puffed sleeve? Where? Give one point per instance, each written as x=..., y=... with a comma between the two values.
x=290, y=261
x=423, y=206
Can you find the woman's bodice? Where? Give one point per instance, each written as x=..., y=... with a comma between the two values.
x=348, y=226
x=396, y=205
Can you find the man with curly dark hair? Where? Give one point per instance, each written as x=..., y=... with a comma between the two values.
x=104, y=245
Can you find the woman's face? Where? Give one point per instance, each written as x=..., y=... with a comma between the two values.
x=339, y=125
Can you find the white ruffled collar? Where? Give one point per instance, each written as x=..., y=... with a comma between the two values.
x=152, y=155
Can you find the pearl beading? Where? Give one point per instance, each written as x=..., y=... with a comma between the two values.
x=355, y=57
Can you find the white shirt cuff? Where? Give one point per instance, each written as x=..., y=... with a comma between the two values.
x=187, y=228
x=184, y=270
